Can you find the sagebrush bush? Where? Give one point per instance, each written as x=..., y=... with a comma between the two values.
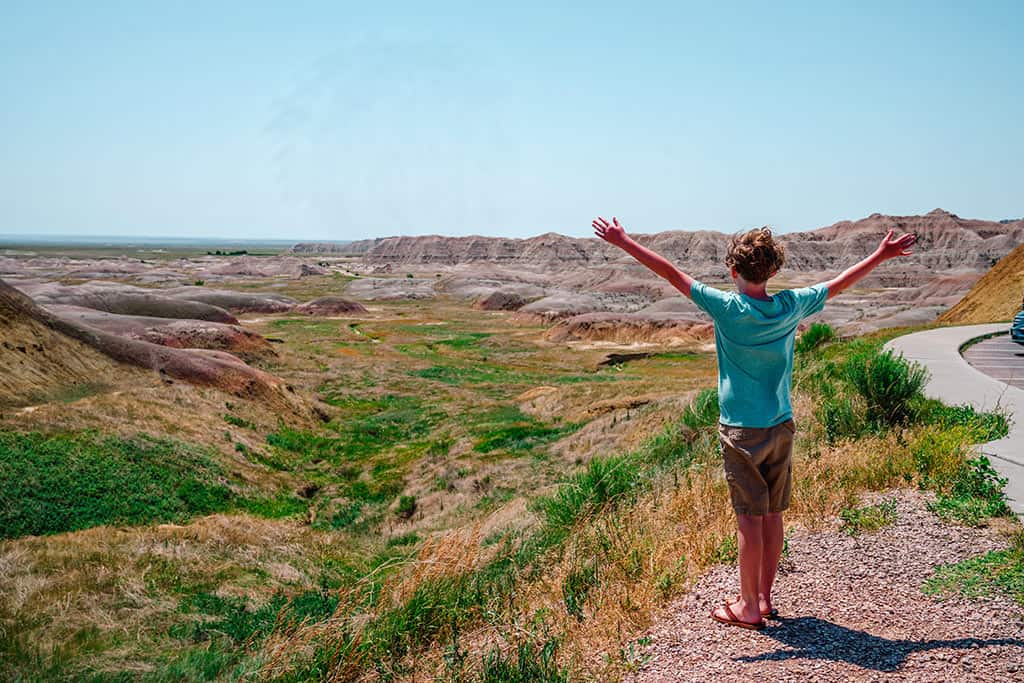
x=840, y=419
x=888, y=384
x=815, y=335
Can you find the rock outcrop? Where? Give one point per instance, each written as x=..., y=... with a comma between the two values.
x=500, y=300
x=236, y=302
x=947, y=242
x=125, y=300
x=631, y=328
x=330, y=305
x=180, y=334
x=65, y=348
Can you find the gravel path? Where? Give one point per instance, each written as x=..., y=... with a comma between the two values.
x=852, y=610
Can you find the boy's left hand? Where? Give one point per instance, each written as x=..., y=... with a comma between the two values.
x=891, y=248
x=613, y=232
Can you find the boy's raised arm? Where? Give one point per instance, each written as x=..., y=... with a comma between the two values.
x=614, y=233
x=888, y=248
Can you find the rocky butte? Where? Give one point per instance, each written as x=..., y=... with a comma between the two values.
x=556, y=276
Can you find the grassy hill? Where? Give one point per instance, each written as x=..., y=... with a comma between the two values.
x=996, y=297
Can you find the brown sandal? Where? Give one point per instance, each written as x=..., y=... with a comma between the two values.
x=733, y=621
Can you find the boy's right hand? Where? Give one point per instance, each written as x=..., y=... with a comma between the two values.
x=613, y=232
x=891, y=248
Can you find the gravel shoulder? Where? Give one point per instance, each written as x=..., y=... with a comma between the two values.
x=852, y=610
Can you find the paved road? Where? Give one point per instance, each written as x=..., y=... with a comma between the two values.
x=954, y=381
x=998, y=358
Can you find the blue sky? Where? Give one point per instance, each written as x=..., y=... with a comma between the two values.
x=341, y=120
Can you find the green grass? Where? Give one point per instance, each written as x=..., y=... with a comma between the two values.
x=69, y=481
x=438, y=608
x=973, y=494
x=815, y=335
x=868, y=518
x=528, y=662
x=457, y=375
x=274, y=507
x=509, y=429
x=238, y=422
x=324, y=328
x=370, y=426
x=999, y=571
x=727, y=551
x=236, y=620
x=703, y=411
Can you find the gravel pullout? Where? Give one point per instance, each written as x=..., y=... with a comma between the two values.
x=852, y=610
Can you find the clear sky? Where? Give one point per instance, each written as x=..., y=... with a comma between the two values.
x=340, y=120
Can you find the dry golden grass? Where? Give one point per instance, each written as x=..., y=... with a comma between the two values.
x=127, y=582
x=996, y=297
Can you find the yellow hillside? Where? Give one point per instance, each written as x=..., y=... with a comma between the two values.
x=996, y=296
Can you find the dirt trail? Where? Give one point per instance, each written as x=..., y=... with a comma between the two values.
x=853, y=610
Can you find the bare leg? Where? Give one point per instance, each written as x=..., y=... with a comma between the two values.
x=772, y=540
x=751, y=552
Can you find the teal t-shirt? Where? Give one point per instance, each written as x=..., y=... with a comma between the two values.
x=754, y=340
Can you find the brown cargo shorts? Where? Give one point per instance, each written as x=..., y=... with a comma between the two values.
x=758, y=466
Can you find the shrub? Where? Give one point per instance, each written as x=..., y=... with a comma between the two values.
x=406, y=507
x=839, y=418
x=888, y=385
x=976, y=493
x=815, y=335
x=868, y=518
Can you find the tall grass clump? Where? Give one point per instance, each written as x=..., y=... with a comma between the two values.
x=605, y=480
x=888, y=384
x=840, y=419
x=815, y=335
x=703, y=412
x=530, y=662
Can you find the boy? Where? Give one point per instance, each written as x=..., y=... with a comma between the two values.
x=754, y=337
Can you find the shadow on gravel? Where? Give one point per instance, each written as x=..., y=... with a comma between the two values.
x=815, y=638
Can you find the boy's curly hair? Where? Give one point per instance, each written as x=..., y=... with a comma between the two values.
x=755, y=255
